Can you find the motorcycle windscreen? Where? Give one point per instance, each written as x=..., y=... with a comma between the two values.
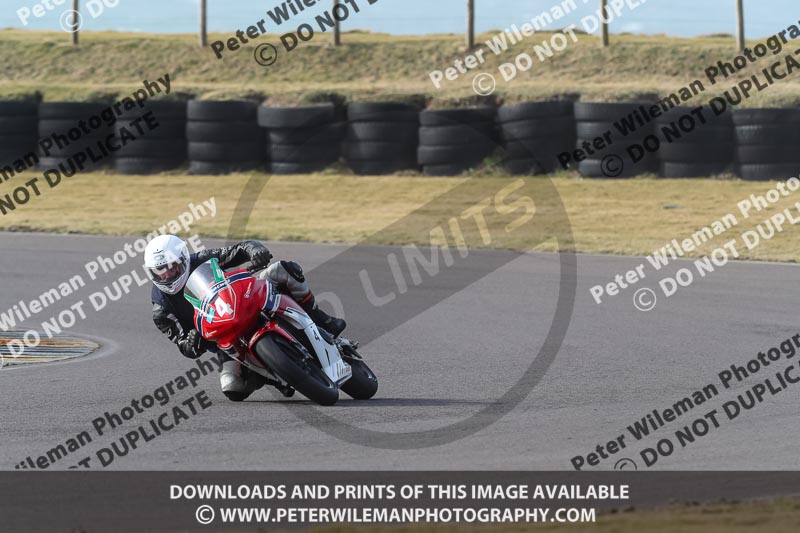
x=200, y=283
x=209, y=293
x=212, y=295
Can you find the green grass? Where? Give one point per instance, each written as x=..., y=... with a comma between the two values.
x=367, y=66
x=627, y=217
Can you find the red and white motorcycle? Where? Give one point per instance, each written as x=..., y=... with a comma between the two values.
x=274, y=337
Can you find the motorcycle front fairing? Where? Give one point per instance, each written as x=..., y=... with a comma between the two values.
x=227, y=306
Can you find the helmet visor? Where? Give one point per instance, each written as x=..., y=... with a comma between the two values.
x=168, y=273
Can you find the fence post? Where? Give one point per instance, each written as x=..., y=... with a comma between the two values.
x=75, y=20
x=337, y=37
x=470, y=40
x=604, y=18
x=203, y=24
x=740, y=24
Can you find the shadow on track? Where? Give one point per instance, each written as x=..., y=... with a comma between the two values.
x=382, y=402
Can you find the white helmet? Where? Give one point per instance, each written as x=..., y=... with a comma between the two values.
x=166, y=259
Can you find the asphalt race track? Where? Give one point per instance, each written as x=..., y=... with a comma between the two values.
x=615, y=365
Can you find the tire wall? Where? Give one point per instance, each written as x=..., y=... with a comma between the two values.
x=452, y=141
x=59, y=121
x=160, y=149
x=382, y=137
x=533, y=135
x=612, y=122
x=688, y=152
x=766, y=143
x=301, y=139
x=221, y=137
x=19, y=131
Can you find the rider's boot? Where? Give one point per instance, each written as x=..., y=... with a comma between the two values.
x=237, y=384
x=331, y=324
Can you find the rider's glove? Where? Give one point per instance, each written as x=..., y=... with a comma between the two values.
x=191, y=345
x=260, y=259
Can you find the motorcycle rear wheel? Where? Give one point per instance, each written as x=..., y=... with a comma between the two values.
x=363, y=384
x=288, y=362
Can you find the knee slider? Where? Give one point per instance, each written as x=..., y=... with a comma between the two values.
x=294, y=270
x=230, y=379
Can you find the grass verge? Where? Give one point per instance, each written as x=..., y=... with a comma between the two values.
x=630, y=217
x=367, y=66
x=775, y=516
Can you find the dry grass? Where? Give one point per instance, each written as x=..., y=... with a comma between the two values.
x=607, y=216
x=367, y=66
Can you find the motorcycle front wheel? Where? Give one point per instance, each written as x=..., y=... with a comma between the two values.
x=299, y=371
x=363, y=384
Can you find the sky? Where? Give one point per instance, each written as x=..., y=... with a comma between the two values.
x=684, y=18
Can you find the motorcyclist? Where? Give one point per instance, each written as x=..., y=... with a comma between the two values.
x=169, y=264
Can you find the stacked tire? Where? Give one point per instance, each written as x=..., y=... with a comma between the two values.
x=766, y=143
x=593, y=120
x=18, y=133
x=452, y=141
x=156, y=150
x=381, y=137
x=62, y=120
x=301, y=139
x=224, y=137
x=691, y=147
x=533, y=134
